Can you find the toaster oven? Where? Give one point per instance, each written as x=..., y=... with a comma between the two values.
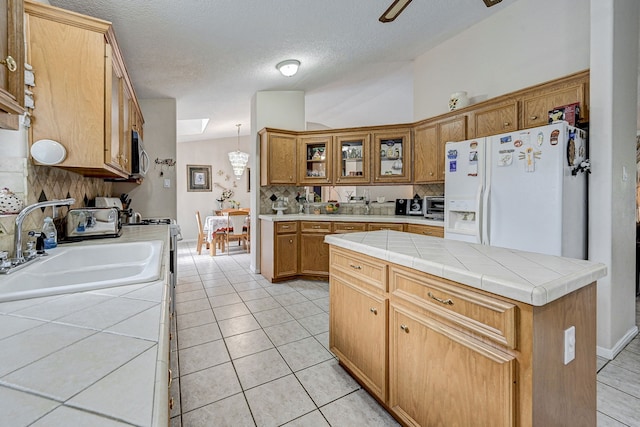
x=434, y=208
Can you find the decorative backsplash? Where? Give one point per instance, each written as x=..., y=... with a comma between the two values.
x=41, y=183
x=291, y=192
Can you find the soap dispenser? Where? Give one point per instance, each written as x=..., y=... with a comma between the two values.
x=50, y=234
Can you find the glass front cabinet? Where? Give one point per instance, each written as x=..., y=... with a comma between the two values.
x=392, y=156
x=352, y=154
x=315, y=160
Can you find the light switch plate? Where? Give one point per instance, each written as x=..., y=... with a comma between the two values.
x=167, y=183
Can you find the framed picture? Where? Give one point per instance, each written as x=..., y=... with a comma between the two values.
x=198, y=178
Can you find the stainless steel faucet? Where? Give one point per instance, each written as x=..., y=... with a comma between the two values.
x=19, y=258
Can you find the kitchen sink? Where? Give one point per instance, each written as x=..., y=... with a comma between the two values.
x=70, y=269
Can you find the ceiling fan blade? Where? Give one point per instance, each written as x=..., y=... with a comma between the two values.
x=394, y=10
x=490, y=3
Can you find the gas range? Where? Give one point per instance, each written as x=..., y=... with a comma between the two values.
x=153, y=221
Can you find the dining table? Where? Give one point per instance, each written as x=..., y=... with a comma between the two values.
x=213, y=223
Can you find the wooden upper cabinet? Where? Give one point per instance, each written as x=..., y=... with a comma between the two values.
x=536, y=107
x=352, y=158
x=428, y=154
x=315, y=157
x=278, y=161
x=495, y=119
x=83, y=94
x=12, y=69
x=392, y=156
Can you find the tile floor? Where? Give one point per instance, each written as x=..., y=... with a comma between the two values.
x=251, y=353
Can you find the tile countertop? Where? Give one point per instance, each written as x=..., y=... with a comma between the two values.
x=527, y=277
x=89, y=358
x=404, y=219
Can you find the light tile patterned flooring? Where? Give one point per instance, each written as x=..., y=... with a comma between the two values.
x=251, y=353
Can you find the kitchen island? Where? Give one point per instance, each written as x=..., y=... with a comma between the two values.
x=444, y=332
x=98, y=357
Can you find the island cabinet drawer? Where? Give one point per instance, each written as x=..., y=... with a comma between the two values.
x=315, y=227
x=286, y=227
x=479, y=314
x=358, y=269
x=349, y=227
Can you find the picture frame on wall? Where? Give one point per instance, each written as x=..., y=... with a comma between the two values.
x=198, y=178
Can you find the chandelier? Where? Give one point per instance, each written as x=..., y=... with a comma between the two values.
x=238, y=159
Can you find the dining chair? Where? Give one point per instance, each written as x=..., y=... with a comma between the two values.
x=236, y=229
x=202, y=239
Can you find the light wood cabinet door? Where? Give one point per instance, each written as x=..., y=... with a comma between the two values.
x=358, y=333
x=453, y=129
x=535, y=108
x=496, y=119
x=352, y=158
x=439, y=376
x=315, y=160
x=113, y=107
x=278, y=158
x=314, y=255
x=11, y=45
x=428, y=155
x=392, y=156
x=286, y=257
x=427, y=230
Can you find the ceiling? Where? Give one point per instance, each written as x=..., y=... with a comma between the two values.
x=212, y=56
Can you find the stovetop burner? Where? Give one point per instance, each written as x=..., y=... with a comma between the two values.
x=156, y=221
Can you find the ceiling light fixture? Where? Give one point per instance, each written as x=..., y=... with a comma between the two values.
x=238, y=159
x=289, y=67
x=394, y=10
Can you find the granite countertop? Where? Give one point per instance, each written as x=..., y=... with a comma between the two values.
x=403, y=219
x=527, y=277
x=89, y=358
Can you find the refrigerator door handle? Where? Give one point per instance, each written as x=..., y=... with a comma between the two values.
x=485, y=216
x=479, y=216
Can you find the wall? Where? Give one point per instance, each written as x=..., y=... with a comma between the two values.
x=151, y=198
x=212, y=153
x=504, y=53
x=507, y=52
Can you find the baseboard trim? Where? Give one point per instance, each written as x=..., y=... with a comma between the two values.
x=611, y=353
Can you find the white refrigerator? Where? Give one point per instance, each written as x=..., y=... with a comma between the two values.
x=521, y=190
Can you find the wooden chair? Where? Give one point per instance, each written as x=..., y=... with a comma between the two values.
x=202, y=239
x=236, y=229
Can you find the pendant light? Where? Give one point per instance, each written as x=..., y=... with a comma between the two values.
x=238, y=159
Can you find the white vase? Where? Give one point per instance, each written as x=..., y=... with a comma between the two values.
x=458, y=100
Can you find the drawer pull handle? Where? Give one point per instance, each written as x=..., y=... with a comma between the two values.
x=316, y=226
x=355, y=267
x=171, y=403
x=285, y=226
x=440, y=300
x=170, y=379
x=373, y=310
x=506, y=124
x=404, y=328
x=348, y=228
x=533, y=118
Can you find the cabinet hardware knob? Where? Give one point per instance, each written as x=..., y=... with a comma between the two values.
x=355, y=267
x=533, y=118
x=373, y=310
x=170, y=336
x=10, y=63
x=170, y=379
x=440, y=300
x=316, y=226
x=506, y=124
x=348, y=228
x=430, y=173
x=290, y=177
x=290, y=240
x=404, y=328
x=171, y=403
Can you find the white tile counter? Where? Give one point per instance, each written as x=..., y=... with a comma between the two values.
x=89, y=358
x=527, y=277
x=402, y=219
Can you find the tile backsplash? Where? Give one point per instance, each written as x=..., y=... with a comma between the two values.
x=36, y=183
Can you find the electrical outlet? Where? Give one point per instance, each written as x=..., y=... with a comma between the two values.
x=569, y=344
x=3, y=231
x=167, y=183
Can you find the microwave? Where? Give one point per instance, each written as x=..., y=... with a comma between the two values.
x=434, y=208
x=139, y=157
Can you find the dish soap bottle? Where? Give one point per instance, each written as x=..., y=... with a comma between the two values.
x=50, y=234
